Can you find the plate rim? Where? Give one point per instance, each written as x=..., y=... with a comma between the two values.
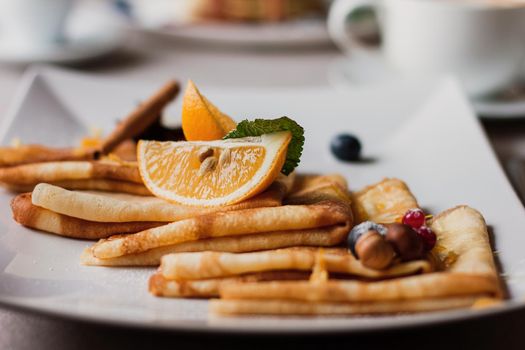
x=436, y=318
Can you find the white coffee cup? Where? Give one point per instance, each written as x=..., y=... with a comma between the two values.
x=481, y=42
x=32, y=23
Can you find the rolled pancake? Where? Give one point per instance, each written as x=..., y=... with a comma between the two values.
x=149, y=211
x=33, y=174
x=321, y=237
x=123, y=213
x=289, y=307
x=309, y=189
x=203, y=265
x=25, y=154
x=160, y=286
x=118, y=207
x=325, y=223
x=461, y=232
x=29, y=215
x=433, y=285
x=232, y=223
x=105, y=185
x=384, y=202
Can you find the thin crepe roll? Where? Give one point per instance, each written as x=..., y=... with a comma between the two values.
x=203, y=265
x=105, y=185
x=119, y=207
x=384, y=202
x=300, y=308
x=29, y=215
x=321, y=237
x=162, y=287
x=35, y=173
x=25, y=154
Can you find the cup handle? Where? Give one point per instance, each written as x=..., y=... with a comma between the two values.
x=337, y=26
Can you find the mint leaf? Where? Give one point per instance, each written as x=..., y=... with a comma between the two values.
x=258, y=127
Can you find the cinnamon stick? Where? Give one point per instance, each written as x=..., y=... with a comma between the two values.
x=146, y=114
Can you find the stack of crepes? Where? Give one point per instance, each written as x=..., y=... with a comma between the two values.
x=310, y=211
x=293, y=211
x=257, y=255
x=458, y=272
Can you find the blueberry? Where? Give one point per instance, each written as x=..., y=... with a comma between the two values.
x=361, y=229
x=346, y=147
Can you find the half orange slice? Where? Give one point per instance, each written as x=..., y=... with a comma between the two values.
x=211, y=173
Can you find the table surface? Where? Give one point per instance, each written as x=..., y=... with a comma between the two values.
x=156, y=58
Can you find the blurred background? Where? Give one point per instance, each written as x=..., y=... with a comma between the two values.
x=93, y=32
x=226, y=42
x=341, y=44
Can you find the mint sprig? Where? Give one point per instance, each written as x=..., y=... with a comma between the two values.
x=259, y=127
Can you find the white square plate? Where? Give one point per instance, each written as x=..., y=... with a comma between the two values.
x=428, y=137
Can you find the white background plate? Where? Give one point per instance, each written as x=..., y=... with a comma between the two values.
x=168, y=18
x=353, y=72
x=429, y=138
x=91, y=32
x=293, y=34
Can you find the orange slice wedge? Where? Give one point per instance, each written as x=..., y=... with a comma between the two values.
x=201, y=120
x=211, y=173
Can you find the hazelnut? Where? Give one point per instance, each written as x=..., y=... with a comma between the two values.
x=406, y=241
x=374, y=251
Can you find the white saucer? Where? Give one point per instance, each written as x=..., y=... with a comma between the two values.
x=351, y=72
x=296, y=33
x=500, y=109
x=91, y=32
x=73, y=51
x=168, y=18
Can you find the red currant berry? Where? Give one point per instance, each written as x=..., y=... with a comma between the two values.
x=414, y=218
x=429, y=237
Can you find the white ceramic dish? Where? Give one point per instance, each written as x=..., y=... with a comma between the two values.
x=92, y=31
x=303, y=33
x=76, y=50
x=494, y=109
x=167, y=18
x=428, y=137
